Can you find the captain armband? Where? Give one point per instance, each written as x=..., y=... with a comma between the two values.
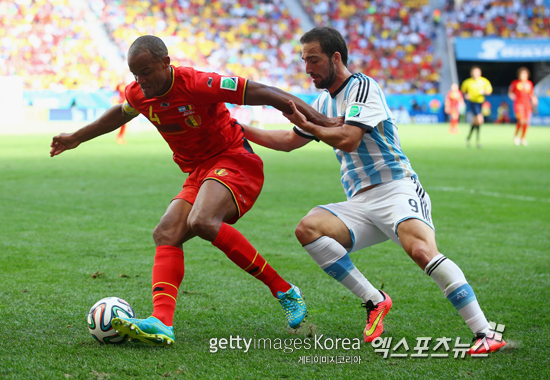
x=129, y=109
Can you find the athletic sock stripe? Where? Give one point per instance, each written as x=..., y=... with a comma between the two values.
x=164, y=294
x=256, y=275
x=167, y=283
x=252, y=263
x=435, y=265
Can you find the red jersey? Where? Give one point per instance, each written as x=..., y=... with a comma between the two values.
x=191, y=116
x=454, y=98
x=523, y=91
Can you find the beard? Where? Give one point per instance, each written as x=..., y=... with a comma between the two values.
x=329, y=80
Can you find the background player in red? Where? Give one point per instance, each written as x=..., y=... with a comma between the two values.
x=121, y=98
x=454, y=101
x=522, y=93
x=225, y=176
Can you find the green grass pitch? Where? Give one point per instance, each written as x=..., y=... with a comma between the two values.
x=92, y=210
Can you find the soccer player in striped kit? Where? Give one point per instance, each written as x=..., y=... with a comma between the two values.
x=385, y=197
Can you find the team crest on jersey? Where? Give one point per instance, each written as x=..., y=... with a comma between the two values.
x=193, y=121
x=344, y=104
x=355, y=111
x=221, y=172
x=164, y=105
x=229, y=83
x=210, y=80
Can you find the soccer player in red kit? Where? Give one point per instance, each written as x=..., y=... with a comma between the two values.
x=225, y=176
x=521, y=91
x=453, y=102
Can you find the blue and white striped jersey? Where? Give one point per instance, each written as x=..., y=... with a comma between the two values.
x=379, y=157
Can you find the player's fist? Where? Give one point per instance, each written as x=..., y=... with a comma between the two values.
x=63, y=142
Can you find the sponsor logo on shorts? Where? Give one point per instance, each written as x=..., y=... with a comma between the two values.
x=355, y=111
x=221, y=172
x=193, y=121
x=229, y=83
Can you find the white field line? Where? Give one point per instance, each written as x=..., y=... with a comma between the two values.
x=490, y=194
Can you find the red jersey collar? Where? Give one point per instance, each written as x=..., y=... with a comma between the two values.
x=172, y=72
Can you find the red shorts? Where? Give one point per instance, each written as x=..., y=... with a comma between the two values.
x=241, y=173
x=523, y=112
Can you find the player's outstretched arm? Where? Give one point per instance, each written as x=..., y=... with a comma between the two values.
x=278, y=140
x=258, y=94
x=112, y=119
x=346, y=137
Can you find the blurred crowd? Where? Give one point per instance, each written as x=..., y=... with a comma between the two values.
x=50, y=44
x=47, y=43
x=253, y=39
x=390, y=41
x=505, y=18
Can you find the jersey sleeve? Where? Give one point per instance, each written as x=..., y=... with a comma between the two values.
x=129, y=109
x=512, y=86
x=215, y=88
x=365, y=107
x=126, y=106
x=300, y=132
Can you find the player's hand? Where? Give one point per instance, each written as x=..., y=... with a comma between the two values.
x=535, y=101
x=296, y=117
x=63, y=142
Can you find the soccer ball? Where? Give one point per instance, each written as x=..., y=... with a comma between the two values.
x=101, y=315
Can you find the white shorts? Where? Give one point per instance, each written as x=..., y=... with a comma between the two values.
x=372, y=217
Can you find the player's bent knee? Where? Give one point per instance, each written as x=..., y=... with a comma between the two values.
x=306, y=231
x=165, y=236
x=420, y=253
x=205, y=228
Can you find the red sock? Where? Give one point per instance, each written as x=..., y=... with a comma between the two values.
x=241, y=252
x=525, y=126
x=167, y=275
x=518, y=126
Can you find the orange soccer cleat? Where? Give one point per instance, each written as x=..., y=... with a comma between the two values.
x=483, y=344
x=375, y=317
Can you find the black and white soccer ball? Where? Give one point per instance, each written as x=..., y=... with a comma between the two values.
x=101, y=315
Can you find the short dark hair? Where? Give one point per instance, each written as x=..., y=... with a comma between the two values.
x=330, y=39
x=151, y=44
x=475, y=67
x=523, y=68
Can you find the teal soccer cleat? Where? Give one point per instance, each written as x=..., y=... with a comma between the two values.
x=293, y=305
x=150, y=330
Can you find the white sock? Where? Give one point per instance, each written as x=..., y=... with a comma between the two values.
x=454, y=286
x=335, y=261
